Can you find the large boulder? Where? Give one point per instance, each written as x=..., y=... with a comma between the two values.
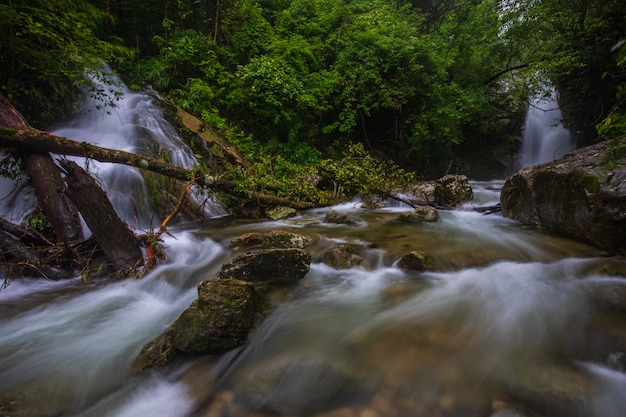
x=217, y=321
x=579, y=195
x=228, y=305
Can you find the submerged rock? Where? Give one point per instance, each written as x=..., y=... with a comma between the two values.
x=578, y=196
x=339, y=218
x=246, y=241
x=344, y=256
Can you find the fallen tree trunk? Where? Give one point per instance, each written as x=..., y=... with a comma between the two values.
x=37, y=141
x=46, y=181
x=50, y=190
x=113, y=236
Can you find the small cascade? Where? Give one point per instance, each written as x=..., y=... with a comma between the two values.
x=545, y=138
x=134, y=124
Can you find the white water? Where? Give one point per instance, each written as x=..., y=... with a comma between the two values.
x=545, y=138
x=512, y=316
x=134, y=125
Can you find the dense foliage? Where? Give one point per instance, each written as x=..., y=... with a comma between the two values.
x=293, y=82
x=46, y=48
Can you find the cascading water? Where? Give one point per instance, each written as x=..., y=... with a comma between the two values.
x=117, y=118
x=513, y=322
x=544, y=138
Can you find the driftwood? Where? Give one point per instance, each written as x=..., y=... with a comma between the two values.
x=33, y=140
x=25, y=251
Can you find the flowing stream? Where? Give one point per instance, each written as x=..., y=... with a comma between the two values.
x=512, y=322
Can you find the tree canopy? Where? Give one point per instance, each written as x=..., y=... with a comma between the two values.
x=417, y=81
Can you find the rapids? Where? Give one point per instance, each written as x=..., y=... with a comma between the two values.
x=513, y=322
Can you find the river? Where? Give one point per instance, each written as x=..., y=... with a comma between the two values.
x=512, y=322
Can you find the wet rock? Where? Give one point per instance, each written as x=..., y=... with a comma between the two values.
x=274, y=239
x=275, y=266
x=305, y=222
x=295, y=386
x=453, y=190
x=281, y=239
x=344, y=256
x=450, y=191
x=280, y=212
x=246, y=241
x=578, y=196
x=218, y=320
x=415, y=261
x=420, y=215
x=339, y=218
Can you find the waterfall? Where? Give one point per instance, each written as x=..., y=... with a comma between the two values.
x=545, y=138
x=113, y=116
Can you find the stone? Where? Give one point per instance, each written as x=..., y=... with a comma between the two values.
x=344, y=256
x=246, y=241
x=217, y=321
x=453, y=190
x=274, y=239
x=280, y=212
x=419, y=215
x=339, y=218
x=414, y=261
x=271, y=266
x=450, y=191
x=578, y=196
x=281, y=239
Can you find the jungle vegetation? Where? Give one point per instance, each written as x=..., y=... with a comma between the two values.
x=308, y=83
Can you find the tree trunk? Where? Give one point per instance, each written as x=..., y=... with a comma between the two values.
x=33, y=140
x=46, y=181
x=113, y=236
x=50, y=191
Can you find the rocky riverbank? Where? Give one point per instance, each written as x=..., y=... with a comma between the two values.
x=581, y=196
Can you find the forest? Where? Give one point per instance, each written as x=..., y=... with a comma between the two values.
x=293, y=84
x=361, y=299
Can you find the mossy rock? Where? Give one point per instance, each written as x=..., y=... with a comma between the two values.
x=576, y=196
x=220, y=319
x=281, y=239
